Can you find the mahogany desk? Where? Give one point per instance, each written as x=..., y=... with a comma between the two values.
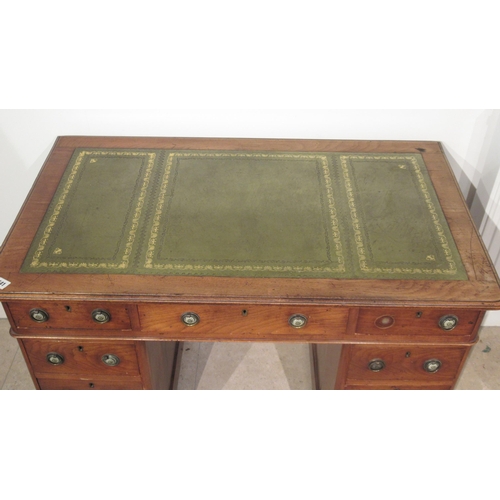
x=126, y=247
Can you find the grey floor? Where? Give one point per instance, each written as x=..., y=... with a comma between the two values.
x=257, y=365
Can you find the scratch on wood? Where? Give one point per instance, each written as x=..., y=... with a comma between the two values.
x=472, y=254
x=36, y=278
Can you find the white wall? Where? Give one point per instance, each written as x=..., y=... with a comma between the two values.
x=471, y=139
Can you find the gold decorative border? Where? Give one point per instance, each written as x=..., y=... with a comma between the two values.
x=62, y=199
x=191, y=267
x=430, y=205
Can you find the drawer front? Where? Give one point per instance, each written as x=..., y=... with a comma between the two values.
x=399, y=386
x=233, y=321
x=81, y=358
x=70, y=315
x=79, y=384
x=414, y=321
x=404, y=364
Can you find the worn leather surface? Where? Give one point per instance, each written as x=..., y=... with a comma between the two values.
x=255, y=214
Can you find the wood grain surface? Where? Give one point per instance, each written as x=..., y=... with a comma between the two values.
x=481, y=291
x=343, y=314
x=81, y=357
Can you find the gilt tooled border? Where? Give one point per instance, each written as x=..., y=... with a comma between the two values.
x=358, y=237
x=149, y=263
x=124, y=260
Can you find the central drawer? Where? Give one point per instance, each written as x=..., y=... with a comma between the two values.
x=238, y=321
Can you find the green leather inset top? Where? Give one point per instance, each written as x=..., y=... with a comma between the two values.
x=242, y=213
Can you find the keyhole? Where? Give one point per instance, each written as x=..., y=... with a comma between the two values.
x=68, y=308
x=419, y=314
x=408, y=354
x=244, y=312
x=80, y=348
x=91, y=385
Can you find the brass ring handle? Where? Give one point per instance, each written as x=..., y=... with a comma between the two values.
x=110, y=359
x=190, y=318
x=39, y=315
x=101, y=316
x=297, y=321
x=375, y=365
x=54, y=358
x=448, y=322
x=432, y=365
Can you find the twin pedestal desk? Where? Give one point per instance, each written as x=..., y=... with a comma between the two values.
x=126, y=247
